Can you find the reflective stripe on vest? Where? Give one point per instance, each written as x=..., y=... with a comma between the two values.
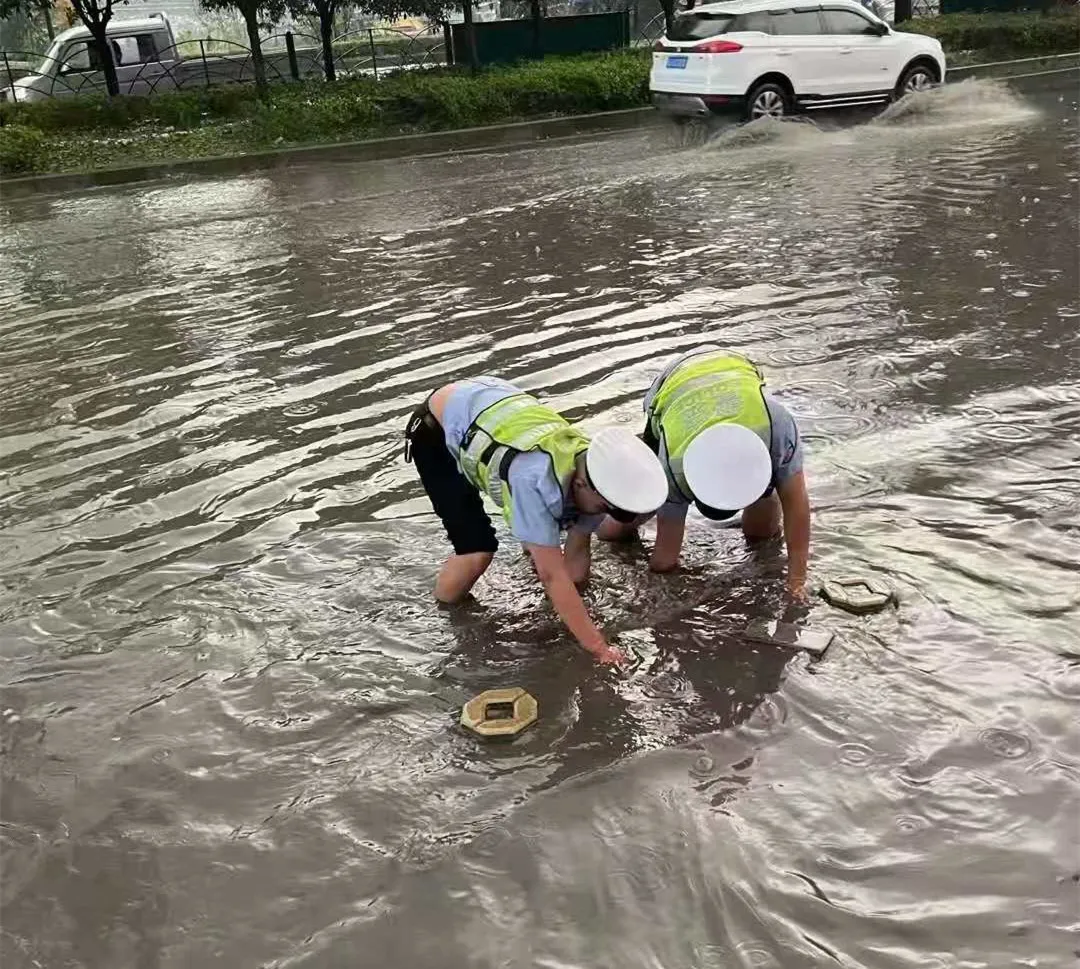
x=710, y=388
x=508, y=427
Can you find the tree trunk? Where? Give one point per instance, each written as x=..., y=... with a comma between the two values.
x=448, y=43
x=257, y=62
x=99, y=32
x=470, y=33
x=326, y=30
x=537, y=16
x=47, y=10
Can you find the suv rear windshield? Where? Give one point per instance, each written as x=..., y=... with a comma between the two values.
x=700, y=26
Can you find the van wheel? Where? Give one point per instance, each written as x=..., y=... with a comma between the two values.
x=768, y=100
x=914, y=80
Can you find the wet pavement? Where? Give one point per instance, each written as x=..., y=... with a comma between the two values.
x=229, y=701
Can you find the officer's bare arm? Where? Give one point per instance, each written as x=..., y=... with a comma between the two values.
x=553, y=573
x=795, y=503
x=578, y=555
x=669, y=539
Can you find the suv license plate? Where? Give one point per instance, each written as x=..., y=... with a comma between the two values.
x=676, y=63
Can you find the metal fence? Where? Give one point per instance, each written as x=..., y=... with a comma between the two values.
x=648, y=33
x=287, y=56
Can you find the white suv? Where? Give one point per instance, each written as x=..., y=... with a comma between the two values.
x=769, y=58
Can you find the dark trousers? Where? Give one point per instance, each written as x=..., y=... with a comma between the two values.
x=457, y=503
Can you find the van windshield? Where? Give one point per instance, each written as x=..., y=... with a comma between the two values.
x=42, y=67
x=700, y=26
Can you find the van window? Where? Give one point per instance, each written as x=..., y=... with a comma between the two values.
x=700, y=26
x=78, y=57
x=134, y=50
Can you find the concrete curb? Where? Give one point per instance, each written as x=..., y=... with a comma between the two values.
x=1024, y=67
x=462, y=140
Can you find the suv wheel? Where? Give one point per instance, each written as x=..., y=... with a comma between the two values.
x=768, y=100
x=914, y=80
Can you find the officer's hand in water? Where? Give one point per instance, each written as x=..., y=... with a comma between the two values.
x=611, y=655
x=796, y=589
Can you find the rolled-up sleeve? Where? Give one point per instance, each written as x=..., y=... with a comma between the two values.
x=787, y=448
x=535, y=500
x=673, y=510
x=531, y=520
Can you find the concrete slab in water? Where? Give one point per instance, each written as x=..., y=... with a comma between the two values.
x=857, y=594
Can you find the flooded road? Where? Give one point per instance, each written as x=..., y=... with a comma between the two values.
x=229, y=700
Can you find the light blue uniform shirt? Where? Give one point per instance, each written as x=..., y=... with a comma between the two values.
x=539, y=509
x=785, y=447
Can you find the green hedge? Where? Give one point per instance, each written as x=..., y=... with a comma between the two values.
x=22, y=149
x=439, y=97
x=1005, y=35
x=180, y=109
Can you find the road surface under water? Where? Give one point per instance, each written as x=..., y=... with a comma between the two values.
x=229, y=700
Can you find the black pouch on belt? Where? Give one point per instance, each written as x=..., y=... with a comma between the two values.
x=421, y=417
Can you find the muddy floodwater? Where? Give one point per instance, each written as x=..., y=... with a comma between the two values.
x=229, y=702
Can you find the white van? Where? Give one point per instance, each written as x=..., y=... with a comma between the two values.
x=144, y=52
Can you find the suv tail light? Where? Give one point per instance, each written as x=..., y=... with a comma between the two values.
x=717, y=47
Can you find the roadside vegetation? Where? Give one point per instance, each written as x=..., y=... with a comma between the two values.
x=82, y=134
x=987, y=37
x=79, y=134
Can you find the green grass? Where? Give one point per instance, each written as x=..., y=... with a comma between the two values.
x=82, y=134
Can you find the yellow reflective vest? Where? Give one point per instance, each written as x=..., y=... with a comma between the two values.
x=713, y=387
x=508, y=427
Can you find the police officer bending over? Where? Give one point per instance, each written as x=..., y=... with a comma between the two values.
x=725, y=445
x=485, y=436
